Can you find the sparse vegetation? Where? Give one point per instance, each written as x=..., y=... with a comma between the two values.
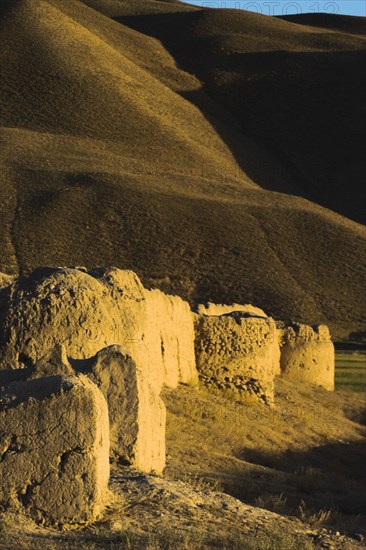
x=167, y=540
x=203, y=483
x=276, y=503
x=304, y=458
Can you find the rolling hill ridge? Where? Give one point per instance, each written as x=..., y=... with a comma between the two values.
x=216, y=154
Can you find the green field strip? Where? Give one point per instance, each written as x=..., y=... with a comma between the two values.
x=351, y=366
x=350, y=373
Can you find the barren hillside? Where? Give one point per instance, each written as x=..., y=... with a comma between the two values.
x=200, y=148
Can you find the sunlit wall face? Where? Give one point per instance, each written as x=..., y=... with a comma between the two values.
x=289, y=7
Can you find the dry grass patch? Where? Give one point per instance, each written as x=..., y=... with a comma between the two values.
x=305, y=457
x=259, y=538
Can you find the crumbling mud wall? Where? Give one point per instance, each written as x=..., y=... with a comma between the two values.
x=54, y=449
x=160, y=335
x=87, y=312
x=83, y=359
x=155, y=328
x=170, y=332
x=61, y=421
x=220, y=309
x=307, y=354
x=56, y=306
x=137, y=413
x=238, y=352
x=130, y=341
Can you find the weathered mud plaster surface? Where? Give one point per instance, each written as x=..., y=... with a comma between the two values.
x=54, y=449
x=137, y=414
x=307, y=354
x=220, y=309
x=87, y=312
x=238, y=352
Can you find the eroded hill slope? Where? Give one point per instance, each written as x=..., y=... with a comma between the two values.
x=117, y=151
